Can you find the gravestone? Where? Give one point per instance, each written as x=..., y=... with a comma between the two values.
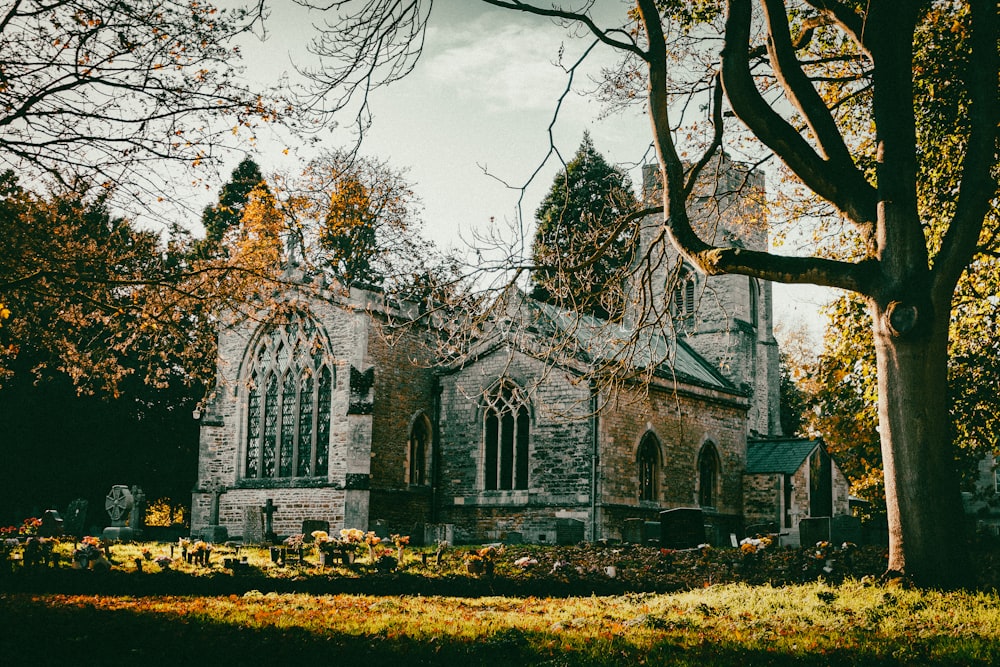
x=380, y=529
x=813, y=530
x=213, y=532
x=845, y=528
x=118, y=504
x=269, y=509
x=513, y=537
x=309, y=526
x=137, y=515
x=436, y=533
x=569, y=531
x=75, y=518
x=651, y=532
x=52, y=524
x=682, y=528
x=632, y=531
x=761, y=529
x=253, y=525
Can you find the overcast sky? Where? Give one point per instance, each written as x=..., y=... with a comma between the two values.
x=482, y=97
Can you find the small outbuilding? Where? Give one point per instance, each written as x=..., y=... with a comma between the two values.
x=788, y=480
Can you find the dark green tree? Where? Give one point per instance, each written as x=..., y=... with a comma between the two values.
x=228, y=212
x=582, y=249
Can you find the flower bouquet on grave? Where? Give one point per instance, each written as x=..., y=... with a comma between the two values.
x=323, y=546
x=372, y=540
x=400, y=541
x=385, y=562
x=164, y=562
x=199, y=553
x=87, y=553
x=348, y=544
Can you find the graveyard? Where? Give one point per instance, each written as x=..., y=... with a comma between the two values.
x=663, y=593
x=593, y=604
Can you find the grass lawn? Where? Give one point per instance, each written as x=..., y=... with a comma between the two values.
x=278, y=615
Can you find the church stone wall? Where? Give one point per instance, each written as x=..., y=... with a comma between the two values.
x=404, y=390
x=560, y=452
x=683, y=423
x=221, y=447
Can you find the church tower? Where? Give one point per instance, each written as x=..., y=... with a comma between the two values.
x=727, y=319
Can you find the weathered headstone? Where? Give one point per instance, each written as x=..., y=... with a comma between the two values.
x=762, y=529
x=813, y=530
x=513, y=537
x=118, y=504
x=845, y=528
x=52, y=524
x=309, y=526
x=269, y=509
x=214, y=532
x=436, y=533
x=632, y=531
x=380, y=529
x=253, y=525
x=682, y=528
x=137, y=515
x=569, y=531
x=651, y=532
x=75, y=518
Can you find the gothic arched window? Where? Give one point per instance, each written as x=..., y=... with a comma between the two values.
x=506, y=426
x=289, y=393
x=649, y=467
x=708, y=476
x=684, y=294
x=419, y=450
x=754, y=301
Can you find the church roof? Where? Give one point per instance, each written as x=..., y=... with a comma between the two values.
x=779, y=455
x=594, y=339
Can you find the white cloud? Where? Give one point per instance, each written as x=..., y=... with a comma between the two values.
x=510, y=67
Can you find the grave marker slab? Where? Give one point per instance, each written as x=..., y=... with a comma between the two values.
x=309, y=526
x=569, y=531
x=632, y=531
x=813, y=530
x=75, y=518
x=682, y=528
x=253, y=525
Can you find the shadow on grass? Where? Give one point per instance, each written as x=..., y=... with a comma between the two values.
x=33, y=632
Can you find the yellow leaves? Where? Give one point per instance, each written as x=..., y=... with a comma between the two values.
x=4, y=313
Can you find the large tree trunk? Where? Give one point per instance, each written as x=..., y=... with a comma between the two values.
x=927, y=536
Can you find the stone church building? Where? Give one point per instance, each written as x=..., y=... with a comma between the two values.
x=320, y=413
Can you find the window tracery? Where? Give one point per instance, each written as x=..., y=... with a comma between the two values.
x=288, y=411
x=506, y=428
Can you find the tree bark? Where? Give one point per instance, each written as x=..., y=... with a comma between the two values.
x=927, y=537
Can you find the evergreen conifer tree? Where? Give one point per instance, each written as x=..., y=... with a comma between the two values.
x=580, y=214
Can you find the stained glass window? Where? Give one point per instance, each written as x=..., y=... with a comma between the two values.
x=288, y=414
x=506, y=430
x=323, y=419
x=288, y=430
x=253, y=428
x=270, y=424
x=306, y=434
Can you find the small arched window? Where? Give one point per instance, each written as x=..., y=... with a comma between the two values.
x=649, y=467
x=288, y=410
x=419, y=450
x=684, y=294
x=708, y=476
x=754, y=302
x=506, y=427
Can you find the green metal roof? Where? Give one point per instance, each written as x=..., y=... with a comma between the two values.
x=780, y=455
